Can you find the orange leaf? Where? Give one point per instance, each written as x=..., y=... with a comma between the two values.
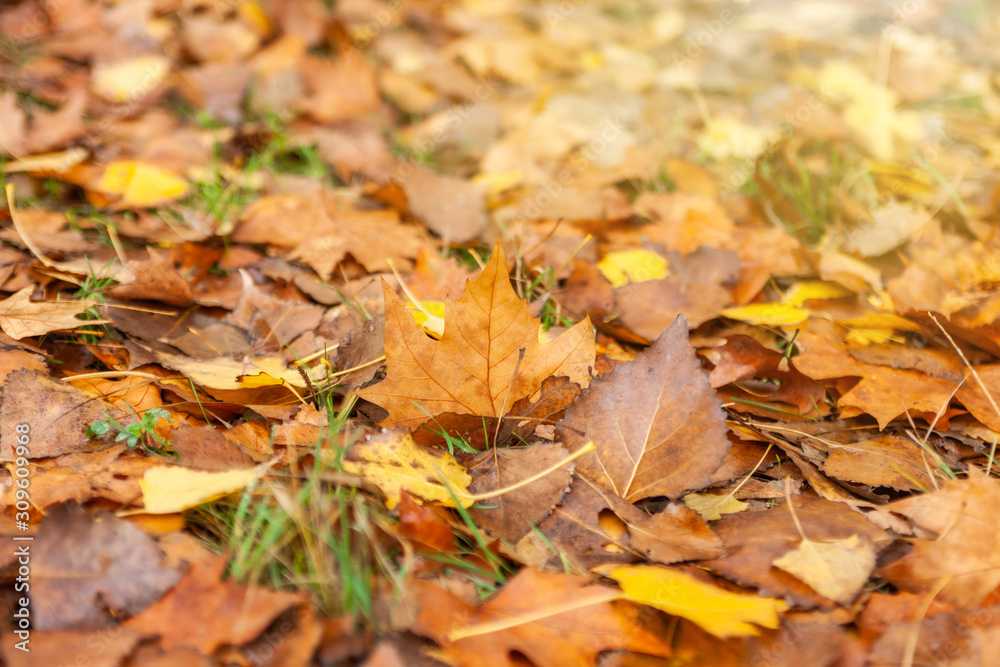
x=477, y=367
x=552, y=619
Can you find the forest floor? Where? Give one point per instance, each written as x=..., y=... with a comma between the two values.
x=499, y=333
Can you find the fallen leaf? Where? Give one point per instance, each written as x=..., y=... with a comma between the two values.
x=768, y=314
x=155, y=279
x=711, y=507
x=870, y=109
x=393, y=462
x=884, y=393
x=696, y=289
x=551, y=619
x=489, y=336
x=814, y=290
x=336, y=227
x=338, y=89
x=84, y=565
x=754, y=540
x=742, y=359
x=453, y=208
x=657, y=427
x=836, y=569
x=141, y=185
x=14, y=126
x=632, y=266
x=111, y=474
x=889, y=460
x=232, y=374
x=421, y=523
x=57, y=415
x=684, y=221
x=203, y=612
x=511, y=515
x=55, y=162
x=430, y=316
x=169, y=489
x=675, y=534
x=962, y=564
x=589, y=528
x=129, y=80
x=715, y=609
x=63, y=647
x=21, y=317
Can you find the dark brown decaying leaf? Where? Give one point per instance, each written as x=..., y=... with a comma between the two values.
x=57, y=414
x=361, y=346
x=512, y=514
x=590, y=528
x=84, y=565
x=657, y=427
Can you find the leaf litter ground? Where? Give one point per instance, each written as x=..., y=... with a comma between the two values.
x=476, y=334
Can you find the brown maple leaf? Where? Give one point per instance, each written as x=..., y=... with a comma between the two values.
x=488, y=358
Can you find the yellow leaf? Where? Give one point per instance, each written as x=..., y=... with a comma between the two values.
x=862, y=337
x=768, y=314
x=169, y=489
x=718, y=611
x=881, y=321
x=495, y=183
x=129, y=80
x=433, y=324
x=877, y=328
x=255, y=17
x=869, y=108
x=726, y=138
x=393, y=462
x=632, y=266
x=223, y=373
x=809, y=290
x=141, y=185
x=712, y=507
x=836, y=569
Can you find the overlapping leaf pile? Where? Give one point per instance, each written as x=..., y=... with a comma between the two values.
x=724, y=392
